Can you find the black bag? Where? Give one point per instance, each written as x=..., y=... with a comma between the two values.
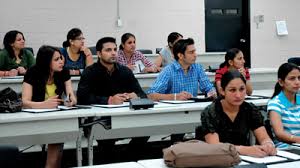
x=10, y=101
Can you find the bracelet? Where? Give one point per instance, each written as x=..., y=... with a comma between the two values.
x=175, y=96
x=268, y=141
x=292, y=137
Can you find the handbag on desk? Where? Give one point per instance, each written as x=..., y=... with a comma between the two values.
x=196, y=153
x=10, y=101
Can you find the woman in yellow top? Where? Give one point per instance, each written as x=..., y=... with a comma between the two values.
x=43, y=87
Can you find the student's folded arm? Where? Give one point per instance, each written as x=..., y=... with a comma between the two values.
x=159, y=96
x=249, y=88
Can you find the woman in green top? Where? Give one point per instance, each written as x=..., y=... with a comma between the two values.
x=14, y=60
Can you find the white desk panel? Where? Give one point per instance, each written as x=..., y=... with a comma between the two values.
x=261, y=78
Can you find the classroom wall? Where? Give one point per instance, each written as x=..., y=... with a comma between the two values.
x=47, y=22
x=267, y=48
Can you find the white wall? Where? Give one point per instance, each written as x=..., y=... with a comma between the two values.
x=268, y=49
x=48, y=21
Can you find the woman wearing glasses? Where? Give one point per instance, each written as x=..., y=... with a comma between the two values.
x=77, y=56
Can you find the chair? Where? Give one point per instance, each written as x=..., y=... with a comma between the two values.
x=145, y=51
x=29, y=49
x=295, y=60
x=93, y=50
x=157, y=50
x=8, y=156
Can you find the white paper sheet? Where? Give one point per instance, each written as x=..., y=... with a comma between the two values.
x=288, y=154
x=267, y=159
x=40, y=110
x=125, y=104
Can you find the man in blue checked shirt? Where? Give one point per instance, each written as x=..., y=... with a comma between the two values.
x=183, y=78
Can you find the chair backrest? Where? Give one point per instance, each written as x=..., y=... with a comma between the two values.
x=157, y=50
x=93, y=50
x=295, y=60
x=29, y=49
x=145, y=51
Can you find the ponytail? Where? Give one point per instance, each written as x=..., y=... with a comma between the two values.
x=222, y=64
x=66, y=44
x=277, y=90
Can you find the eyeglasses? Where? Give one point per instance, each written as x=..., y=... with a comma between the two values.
x=80, y=38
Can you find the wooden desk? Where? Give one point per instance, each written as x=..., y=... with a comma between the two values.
x=261, y=78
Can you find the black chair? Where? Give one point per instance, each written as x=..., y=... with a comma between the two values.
x=29, y=49
x=157, y=50
x=145, y=51
x=9, y=156
x=295, y=60
x=93, y=50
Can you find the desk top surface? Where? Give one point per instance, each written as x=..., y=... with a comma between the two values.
x=117, y=165
x=19, y=79
x=97, y=111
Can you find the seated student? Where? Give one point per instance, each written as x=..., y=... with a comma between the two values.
x=43, y=87
x=77, y=56
x=234, y=59
x=128, y=56
x=14, y=59
x=230, y=119
x=166, y=54
x=181, y=79
x=284, y=106
x=107, y=82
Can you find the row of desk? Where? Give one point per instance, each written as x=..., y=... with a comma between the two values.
x=261, y=78
x=62, y=126
x=159, y=163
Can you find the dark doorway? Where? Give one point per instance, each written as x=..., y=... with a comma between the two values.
x=227, y=25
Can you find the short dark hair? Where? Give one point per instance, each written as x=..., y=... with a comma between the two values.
x=181, y=45
x=229, y=76
x=99, y=45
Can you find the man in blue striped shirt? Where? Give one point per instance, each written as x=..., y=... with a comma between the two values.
x=183, y=78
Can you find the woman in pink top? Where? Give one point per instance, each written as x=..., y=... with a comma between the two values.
x=128, y=56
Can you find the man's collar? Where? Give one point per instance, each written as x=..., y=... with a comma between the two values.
x=116, y=66
x=178, y=66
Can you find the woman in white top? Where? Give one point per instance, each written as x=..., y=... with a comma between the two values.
x=166, y=54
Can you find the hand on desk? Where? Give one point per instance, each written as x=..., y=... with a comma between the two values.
x=183, y=95
x=21, y=70
x=121, y=97
x=70, y=100
x=257, y=150
x=52, y=102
